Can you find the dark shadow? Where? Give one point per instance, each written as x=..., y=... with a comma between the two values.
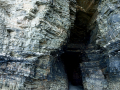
x=71, y=63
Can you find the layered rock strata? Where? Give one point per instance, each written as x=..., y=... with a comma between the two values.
x=106, y=36
x=30, y=31
x=109, y=38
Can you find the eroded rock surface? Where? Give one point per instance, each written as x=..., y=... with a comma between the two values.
x=34, y=32
x=103, y=51
x=29, y=32
x=109, y=38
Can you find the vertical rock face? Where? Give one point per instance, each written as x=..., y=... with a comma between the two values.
x=100, y=67
x=93, y=69
x=29, y=32
x=108, y=22
x=104, y=66
x=109, y=37
x=72, y=12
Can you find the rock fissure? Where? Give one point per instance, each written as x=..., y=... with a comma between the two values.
x=59, y=45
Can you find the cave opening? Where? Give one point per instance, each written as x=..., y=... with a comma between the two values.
x=79, y=39
x=74, y=52
x=72, y=68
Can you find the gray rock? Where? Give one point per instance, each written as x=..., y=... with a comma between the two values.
x=27, y=29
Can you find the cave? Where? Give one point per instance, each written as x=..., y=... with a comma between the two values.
x=72, y=68
x=74, y=52
x=55, y=44
x=78, y=41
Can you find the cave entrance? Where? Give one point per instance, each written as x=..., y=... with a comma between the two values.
x=79, y=38
x=71, y=58
x=71, y=62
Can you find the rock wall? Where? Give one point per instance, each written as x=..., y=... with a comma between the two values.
x=108, y=22
x=32, y=34
x=29, y=32
x=109, y=37
x=102, y=68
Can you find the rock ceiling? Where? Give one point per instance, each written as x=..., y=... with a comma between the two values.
x=87, y=6
x=85, y=17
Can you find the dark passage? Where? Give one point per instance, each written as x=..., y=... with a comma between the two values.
x=79, y=38
x=81, y=35
x=73, y=54
x=71, y=62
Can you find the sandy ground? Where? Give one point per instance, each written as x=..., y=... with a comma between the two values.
x=72, y=87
